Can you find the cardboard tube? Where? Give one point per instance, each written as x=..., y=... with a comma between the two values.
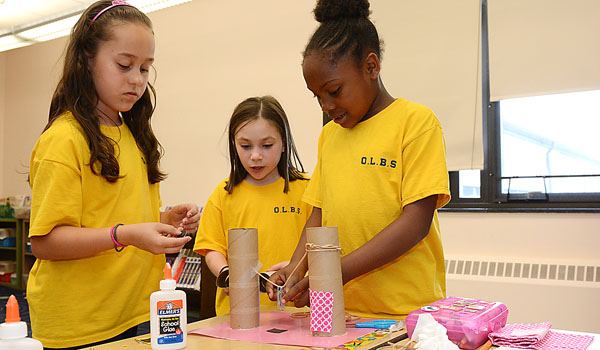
x=244, y=305
x=325, y=273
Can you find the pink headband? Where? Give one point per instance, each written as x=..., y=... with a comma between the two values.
x=115, y=3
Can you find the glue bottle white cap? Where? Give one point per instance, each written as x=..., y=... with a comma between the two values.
x=168, y=283
x=13, y=333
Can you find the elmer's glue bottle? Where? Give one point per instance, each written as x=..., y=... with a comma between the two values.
x=168, y=315
x=13, y=333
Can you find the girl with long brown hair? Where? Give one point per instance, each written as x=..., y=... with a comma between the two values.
x=96, y=226
x=264, y=191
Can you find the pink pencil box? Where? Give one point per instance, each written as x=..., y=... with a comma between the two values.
x=467, y=321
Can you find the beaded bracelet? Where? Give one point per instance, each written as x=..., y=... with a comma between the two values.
x=223, y=277
x=113, y=235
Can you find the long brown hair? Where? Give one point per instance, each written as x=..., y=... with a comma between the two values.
x=77, y=94
x=289, y=167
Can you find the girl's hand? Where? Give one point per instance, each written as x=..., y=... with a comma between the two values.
x=184, y=216
x=154, y=237
x=278, y=277
x=295, y=290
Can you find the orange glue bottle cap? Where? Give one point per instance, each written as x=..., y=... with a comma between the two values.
x=168, y=275
x=12, y=310
x=168, y=283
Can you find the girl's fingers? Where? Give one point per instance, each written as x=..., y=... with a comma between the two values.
x=294, y=292
x=172, y=250
x=190, y=228
x=277, y=278
x=193, y=212
x=173, y=245
x=188, y=210
x=302, y=300
x=165, y=229
x=176, y=241
x=186, y=216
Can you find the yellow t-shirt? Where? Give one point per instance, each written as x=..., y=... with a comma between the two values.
x=279, y=218
x=363, y=179
x=82, y=301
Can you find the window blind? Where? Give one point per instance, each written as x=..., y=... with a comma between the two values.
x=431, y=56
x=540, y=47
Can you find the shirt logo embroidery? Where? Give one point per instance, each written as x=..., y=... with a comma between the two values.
x=383, y=162
x=283, y=210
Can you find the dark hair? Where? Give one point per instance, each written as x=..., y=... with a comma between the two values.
x=345, y=28
x=77, y=94
x=290, y=168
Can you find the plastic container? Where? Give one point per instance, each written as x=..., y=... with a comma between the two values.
x=7, y=266
x=13, y=333
x=7, y=237
x=22, y=212
x=168, y=315
x=467, y=321
x=5, y=277
x=8, y=242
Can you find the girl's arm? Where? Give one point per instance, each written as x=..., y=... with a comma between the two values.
x=185, y=216
x=69, y=243
x=390, y=243
x=215, y=261
x=393, y=241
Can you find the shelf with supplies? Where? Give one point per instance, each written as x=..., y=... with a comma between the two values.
x=28, y=257
x=186, y=269
x=11, y=252
x=14, y=229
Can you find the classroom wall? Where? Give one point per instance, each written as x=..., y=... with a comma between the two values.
x=29, y=84
x=202, y=73
x=572, y=239
x=542, y=236
x=2, y=108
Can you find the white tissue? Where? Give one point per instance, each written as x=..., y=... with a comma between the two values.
x=397, y=326
x=430, y=335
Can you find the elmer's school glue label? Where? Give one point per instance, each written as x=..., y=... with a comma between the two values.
x=168, y=315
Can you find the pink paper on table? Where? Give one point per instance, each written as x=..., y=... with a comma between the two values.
x=297, y=332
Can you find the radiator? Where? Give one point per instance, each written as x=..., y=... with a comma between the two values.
x=566, y=293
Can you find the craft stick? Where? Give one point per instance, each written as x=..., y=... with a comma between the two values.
x=325, y=272
x=244, y=305
x=392, y=342
x=486, y=346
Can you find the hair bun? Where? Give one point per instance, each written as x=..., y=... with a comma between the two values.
x=331, y=10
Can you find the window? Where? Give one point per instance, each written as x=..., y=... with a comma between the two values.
x=542, y=153
x=550, y=144
x=469, y=184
